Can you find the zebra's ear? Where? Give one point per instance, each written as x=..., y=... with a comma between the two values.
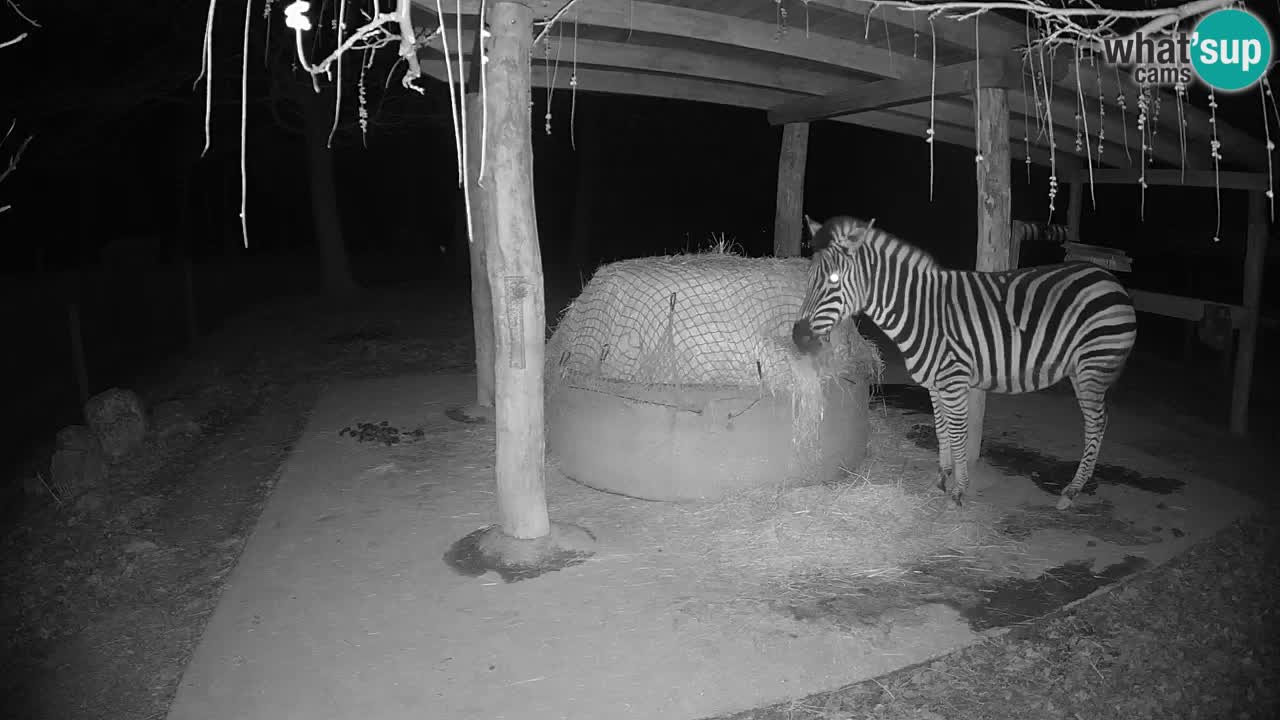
x=848, y=235
x=814, y=227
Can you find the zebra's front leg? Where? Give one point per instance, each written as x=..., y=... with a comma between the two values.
x=954, y=400
x=1093, y=407
x=946, y=464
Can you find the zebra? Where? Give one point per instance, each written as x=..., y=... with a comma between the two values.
x=1009, y=332
x=1037, y=243
x=1040, y=232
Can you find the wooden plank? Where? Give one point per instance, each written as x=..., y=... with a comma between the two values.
x=1197, y=178
x=718, y=65
x=1183, y=308
x=709, y=27
x=994, y=218
x=514, y=267
x=957, y=112
x=951, y=80
x=1254, y=261
x=996, y=35
x=696, y=90
x=789, y=210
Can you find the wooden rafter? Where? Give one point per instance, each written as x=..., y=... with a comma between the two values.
x=948, y=81
x=704, y=44
x=953, y=123
x=700, y=25
x=1194, y=178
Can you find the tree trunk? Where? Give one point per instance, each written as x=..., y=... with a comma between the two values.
x=994, y=252
x=515, y=277
x=334, y=266
x=789, y=211
x=482, y=314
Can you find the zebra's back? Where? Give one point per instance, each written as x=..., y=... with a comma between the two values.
x=1026, y=329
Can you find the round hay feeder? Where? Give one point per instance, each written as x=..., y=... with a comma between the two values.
x=675, y=378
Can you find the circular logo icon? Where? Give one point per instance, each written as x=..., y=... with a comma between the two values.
x=1231, y=49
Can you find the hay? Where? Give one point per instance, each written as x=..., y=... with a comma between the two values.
x=707, y=319
x=798, y=540
x=643, y=329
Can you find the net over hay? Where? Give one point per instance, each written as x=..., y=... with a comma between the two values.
x=676, y=378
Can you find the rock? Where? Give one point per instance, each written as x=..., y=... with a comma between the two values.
x=171, y=418
x=72, y=472
x=117, y=418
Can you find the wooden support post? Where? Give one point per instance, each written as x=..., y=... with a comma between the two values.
x=994, y=252
x=514, y=269
x=482, y=314
x=1075, y=208
x=1254, y=261
x=789, y=211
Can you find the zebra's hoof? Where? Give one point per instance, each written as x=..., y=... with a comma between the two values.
x=1064, y=502
x=943, y=477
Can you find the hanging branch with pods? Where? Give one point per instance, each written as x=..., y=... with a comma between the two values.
x=1084, y=28
x=16, y=157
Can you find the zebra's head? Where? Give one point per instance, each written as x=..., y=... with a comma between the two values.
x=835, y=290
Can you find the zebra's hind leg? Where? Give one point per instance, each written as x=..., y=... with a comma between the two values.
x=954, y=400
x=1091, y=395
x=946, y=464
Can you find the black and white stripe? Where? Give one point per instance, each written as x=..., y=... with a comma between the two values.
x=1039, y=232
x=1010, y=332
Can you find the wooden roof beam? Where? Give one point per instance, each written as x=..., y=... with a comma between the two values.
x=996, y=31
x=668, y=20
x=948, y=81
x=1192, y=178
x=696, y=90
x=955, y=32
x=704, y=26
x=1022, y=129
x=674, y=61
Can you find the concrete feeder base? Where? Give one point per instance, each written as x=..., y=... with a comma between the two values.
x=699, y=443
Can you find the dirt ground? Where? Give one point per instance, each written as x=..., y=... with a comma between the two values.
x=105, y=601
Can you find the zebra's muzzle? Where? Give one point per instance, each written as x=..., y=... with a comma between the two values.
x=806, y=340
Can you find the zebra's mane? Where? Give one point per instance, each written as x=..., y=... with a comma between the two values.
x=885, y=245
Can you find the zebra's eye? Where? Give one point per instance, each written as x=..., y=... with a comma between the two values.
x=833, y=278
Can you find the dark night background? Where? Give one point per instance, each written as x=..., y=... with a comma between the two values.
x=115, y=171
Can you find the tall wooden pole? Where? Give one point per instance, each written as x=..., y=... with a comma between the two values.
x=789, y=211
x=1255, y=257
x=482, y=314
x=994, y=251
x=514, y=270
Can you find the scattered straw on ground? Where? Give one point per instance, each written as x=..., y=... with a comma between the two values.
x=785, y=543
